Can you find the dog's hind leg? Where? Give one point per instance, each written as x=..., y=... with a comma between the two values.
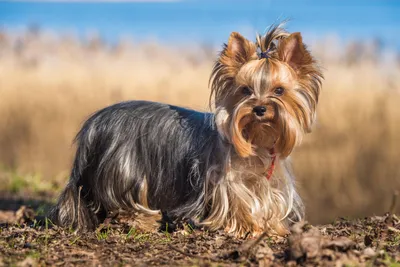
x=72, y=210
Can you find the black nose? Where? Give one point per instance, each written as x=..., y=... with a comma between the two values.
x=259, y=110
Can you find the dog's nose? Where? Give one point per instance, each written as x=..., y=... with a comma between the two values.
x=259, y=110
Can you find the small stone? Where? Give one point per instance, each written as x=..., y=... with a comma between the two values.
x=369, y=252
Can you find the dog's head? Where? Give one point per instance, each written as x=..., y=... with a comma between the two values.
x=266, y=92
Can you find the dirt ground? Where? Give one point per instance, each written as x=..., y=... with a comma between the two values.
x=30, y=240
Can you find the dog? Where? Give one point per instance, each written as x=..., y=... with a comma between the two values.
x=228, y=170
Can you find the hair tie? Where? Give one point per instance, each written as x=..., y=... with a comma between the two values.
x=264, y=54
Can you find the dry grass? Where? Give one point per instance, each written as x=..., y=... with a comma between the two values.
x=347, y=167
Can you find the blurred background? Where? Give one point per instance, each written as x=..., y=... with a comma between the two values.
x=61, y=61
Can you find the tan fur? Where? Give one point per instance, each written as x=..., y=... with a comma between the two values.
x=289, y=65
x=245, y=201
x=143, y=195
x=143, y=206
x=142, y=217
x=141, y=220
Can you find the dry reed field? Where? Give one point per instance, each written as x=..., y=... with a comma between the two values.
x=348, y=166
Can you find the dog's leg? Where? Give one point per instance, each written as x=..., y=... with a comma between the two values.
x=72, y=210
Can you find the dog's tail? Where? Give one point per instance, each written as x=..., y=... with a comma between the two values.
x=72, y=210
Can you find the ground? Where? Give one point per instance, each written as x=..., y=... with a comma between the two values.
x=31, y=240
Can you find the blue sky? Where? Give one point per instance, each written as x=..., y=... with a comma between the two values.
x=209, y=21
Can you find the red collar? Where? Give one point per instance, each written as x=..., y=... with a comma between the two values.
x=271, y=168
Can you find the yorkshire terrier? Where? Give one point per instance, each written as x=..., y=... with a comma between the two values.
x=224, y=170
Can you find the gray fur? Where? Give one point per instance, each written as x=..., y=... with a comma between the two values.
x=118, y=147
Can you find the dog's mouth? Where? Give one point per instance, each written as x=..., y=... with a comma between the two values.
x=251, y=132
x=261, y=133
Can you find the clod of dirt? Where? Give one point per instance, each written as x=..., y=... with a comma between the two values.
x=28, y=262
x=305, y=241
x=264, y=255
x=341, y=244
x=24, y=215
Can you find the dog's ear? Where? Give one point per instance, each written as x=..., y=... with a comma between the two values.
x=292, y=51
x=237, y=52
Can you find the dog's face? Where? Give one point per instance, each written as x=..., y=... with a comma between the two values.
x=266, y=92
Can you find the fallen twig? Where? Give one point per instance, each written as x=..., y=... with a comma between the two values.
x=394, y=202
x=394, y=230
x=79, y=204
x=244, y=248
x=249, y=245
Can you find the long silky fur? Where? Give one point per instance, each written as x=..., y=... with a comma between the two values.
x=162, y=159
x=122, y=147
x=188, y=169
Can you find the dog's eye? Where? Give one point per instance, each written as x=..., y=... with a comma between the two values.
x=246, y=91
x=279, y=91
